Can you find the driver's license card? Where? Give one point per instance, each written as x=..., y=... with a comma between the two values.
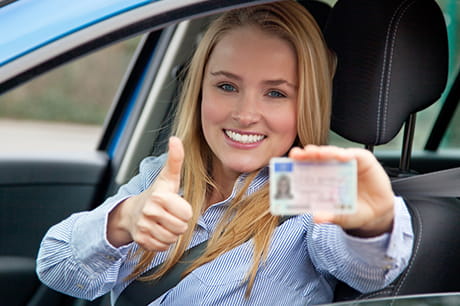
x=298, y=187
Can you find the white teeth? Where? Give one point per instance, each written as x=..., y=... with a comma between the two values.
x=244, y=138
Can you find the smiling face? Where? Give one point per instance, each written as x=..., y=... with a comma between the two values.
x=249, y=101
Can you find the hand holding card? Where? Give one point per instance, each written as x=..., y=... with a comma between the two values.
x=374, y=198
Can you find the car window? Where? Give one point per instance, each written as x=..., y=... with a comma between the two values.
x=452, y=13
x=426, y=118
x=64, y=110
x=452, y=138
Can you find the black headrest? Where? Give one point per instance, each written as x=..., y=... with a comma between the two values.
x=319, y=10
x=392, y=61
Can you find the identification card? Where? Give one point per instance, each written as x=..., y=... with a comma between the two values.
x=298, y=187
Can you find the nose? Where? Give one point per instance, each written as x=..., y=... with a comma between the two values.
x=246, y=111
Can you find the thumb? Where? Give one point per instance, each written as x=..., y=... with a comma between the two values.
x=172, y=170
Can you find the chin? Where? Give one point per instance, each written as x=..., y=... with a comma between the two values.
x=249, y=167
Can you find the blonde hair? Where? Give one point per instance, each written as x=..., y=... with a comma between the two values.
x=248, y=216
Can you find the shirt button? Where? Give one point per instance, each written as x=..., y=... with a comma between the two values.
x=80, y=286
x=388, y=267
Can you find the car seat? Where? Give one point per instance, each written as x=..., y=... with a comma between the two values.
x=318, y=9
x=393, y=62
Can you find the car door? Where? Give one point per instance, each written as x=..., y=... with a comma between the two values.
x=43, y=185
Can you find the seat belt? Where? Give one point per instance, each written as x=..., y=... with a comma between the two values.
x=143, y=293
x=443, y=183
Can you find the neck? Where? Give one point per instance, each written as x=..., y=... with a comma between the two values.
x=224, y=181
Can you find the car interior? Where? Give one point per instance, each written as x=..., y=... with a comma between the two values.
x=392, y=63
x=374, y=98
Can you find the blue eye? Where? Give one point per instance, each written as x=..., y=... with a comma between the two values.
x=227, y=87
x=276, y=94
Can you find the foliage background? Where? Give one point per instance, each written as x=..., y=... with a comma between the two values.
x=80, y=92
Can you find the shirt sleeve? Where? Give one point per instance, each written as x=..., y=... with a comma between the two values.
x=75, y=256
x=366, y=264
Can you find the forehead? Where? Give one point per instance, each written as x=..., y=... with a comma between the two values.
x=254, y=48
x=247, y=35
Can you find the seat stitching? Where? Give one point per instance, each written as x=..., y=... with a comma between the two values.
x=383, y=75
x=390, y=65
x=417, y=246
x=378, y=293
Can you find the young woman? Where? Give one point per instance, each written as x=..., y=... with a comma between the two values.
x=258, y=86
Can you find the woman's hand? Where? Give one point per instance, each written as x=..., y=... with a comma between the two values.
x=158, y=216
x=375, y=200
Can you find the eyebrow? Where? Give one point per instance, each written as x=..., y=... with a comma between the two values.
x=275, y=82
x=227, y=74
x=279, y=82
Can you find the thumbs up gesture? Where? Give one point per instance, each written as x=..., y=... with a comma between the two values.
x=158, y=216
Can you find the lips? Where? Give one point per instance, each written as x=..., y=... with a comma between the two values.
x=244, y=138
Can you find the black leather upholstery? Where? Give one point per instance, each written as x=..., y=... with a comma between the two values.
x=319, y=10
x=392, y=61
x=434, y=265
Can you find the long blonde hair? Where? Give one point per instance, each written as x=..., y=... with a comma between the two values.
x=247, y=217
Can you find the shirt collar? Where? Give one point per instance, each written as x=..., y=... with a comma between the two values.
x=258, y=182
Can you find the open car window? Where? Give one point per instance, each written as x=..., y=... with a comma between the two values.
x=64, y=110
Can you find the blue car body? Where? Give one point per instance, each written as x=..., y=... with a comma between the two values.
x=48, y=26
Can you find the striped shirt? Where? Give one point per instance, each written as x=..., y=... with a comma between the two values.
x=303, y=264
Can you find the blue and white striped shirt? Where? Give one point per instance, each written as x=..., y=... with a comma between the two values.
x=304, y=261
